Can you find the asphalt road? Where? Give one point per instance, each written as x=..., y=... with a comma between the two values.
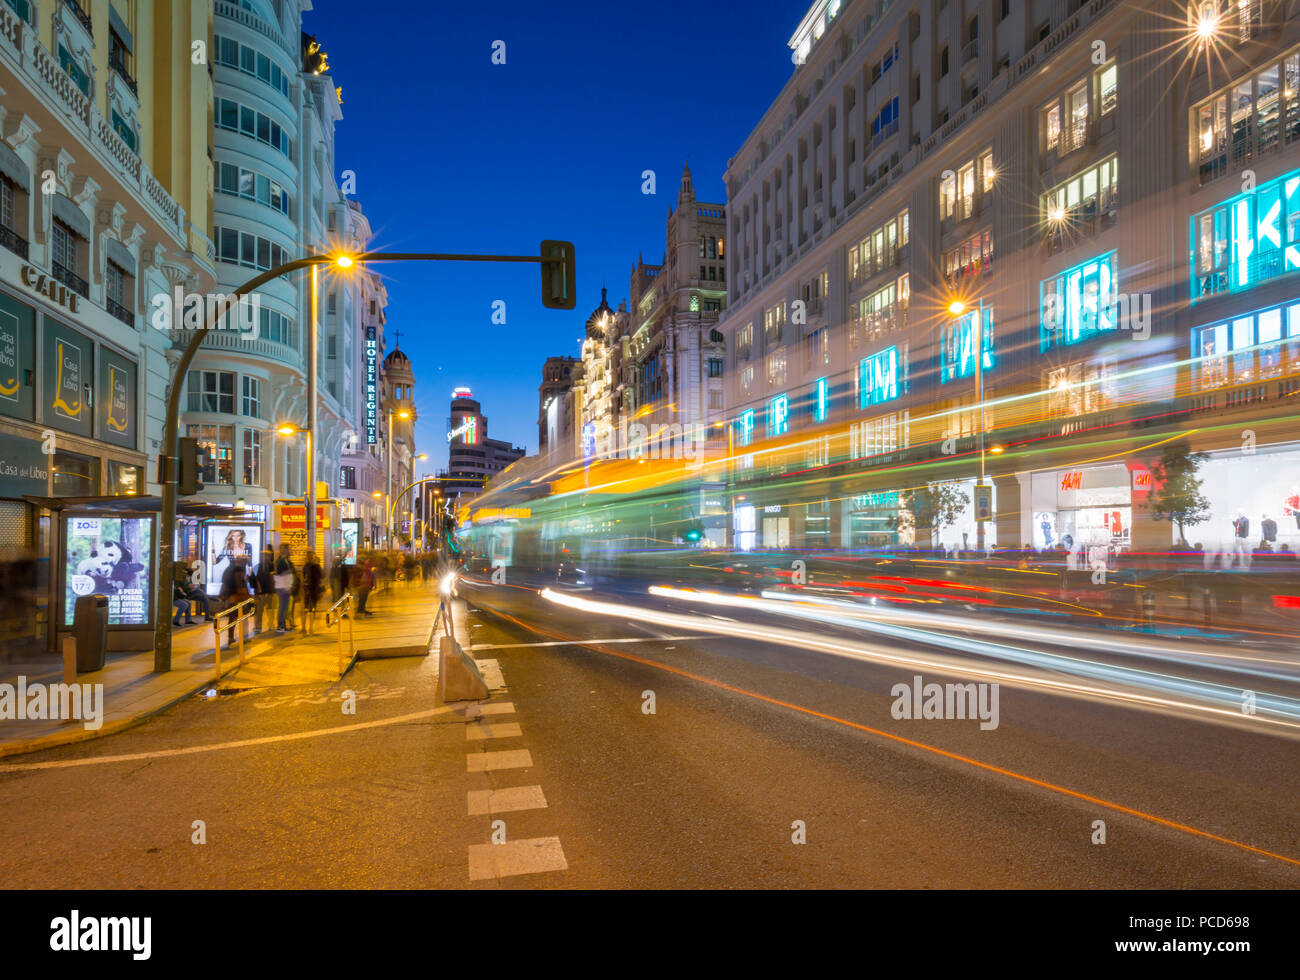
x=751, y=745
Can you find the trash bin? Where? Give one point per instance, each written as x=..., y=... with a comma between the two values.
x=90, y=625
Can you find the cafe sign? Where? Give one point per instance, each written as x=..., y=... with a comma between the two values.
x=50, y=288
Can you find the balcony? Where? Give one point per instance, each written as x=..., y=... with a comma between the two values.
x=11, y=240
x=120, y=312
x=80, y=14
x=71, y=280
x=49, y=96
x=117, y=62
x=971, y=51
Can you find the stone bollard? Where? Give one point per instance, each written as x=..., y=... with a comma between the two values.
x=460, y=677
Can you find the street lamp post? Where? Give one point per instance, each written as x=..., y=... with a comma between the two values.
x=388, y=482
x=958, y=308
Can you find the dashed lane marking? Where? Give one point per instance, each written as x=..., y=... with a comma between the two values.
x=516, y=857
x=500, y=729
x=493, y=761
x=483, y=802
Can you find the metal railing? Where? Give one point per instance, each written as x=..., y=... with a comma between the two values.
x=334, y=616
x=11, y=240
x=243, y=612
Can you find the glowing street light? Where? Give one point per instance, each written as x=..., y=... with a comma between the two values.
x=1207, y=22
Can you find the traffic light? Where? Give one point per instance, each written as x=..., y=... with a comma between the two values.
x=693, y=535
x=192, y=461
x=559, y=276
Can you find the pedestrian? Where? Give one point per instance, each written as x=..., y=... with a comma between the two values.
x=181, y=604
x=264, y=587
x=284, y=579
x=313, y=581
x=363, y=582
x=234, y=590
x=338, y=579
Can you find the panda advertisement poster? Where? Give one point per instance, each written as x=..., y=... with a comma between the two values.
x=109, y=556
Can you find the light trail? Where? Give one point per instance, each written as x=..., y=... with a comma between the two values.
x=1287, y=721
x=1283, y=707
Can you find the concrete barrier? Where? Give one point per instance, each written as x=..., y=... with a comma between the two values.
x=460, y=677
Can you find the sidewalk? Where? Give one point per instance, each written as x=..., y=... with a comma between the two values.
x=132, y=692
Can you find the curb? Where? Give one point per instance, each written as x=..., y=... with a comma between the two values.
x=72, y=736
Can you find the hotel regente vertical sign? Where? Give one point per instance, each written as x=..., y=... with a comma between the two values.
x=372, y=386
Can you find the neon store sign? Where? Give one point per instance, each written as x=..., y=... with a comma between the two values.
x=778, y=415
x=957, y=348
x=467, y=431
x=746, y=426
x=1248, y=239
x=1079, y=303
x=821, y=400
x=878, y=377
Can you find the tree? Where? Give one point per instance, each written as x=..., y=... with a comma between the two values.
x=930, y=508
x=1179, y=498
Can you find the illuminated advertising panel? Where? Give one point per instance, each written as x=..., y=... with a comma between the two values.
x=109, y=556
x=821, y=400
x=226, y=544
x=1247, y=239
x=351, y=528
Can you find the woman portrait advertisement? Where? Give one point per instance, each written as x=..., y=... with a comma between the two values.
x=224, y=548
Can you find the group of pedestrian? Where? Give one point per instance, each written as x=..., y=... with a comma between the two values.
x=296, y=591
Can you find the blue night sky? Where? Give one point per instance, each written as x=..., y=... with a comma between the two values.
x=455, y=154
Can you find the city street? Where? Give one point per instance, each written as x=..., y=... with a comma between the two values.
x=745, y=740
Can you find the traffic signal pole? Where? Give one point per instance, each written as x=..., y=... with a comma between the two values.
x=558, y=292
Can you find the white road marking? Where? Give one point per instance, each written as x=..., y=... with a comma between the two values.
x=488, y=801
x=471, y=711
x=491, y=672
x=576, y=643
x=492, y=761
x=242, y=743
x=518, y=857
x=500, y=729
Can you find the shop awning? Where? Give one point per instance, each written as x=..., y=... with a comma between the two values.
x=197, y=509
